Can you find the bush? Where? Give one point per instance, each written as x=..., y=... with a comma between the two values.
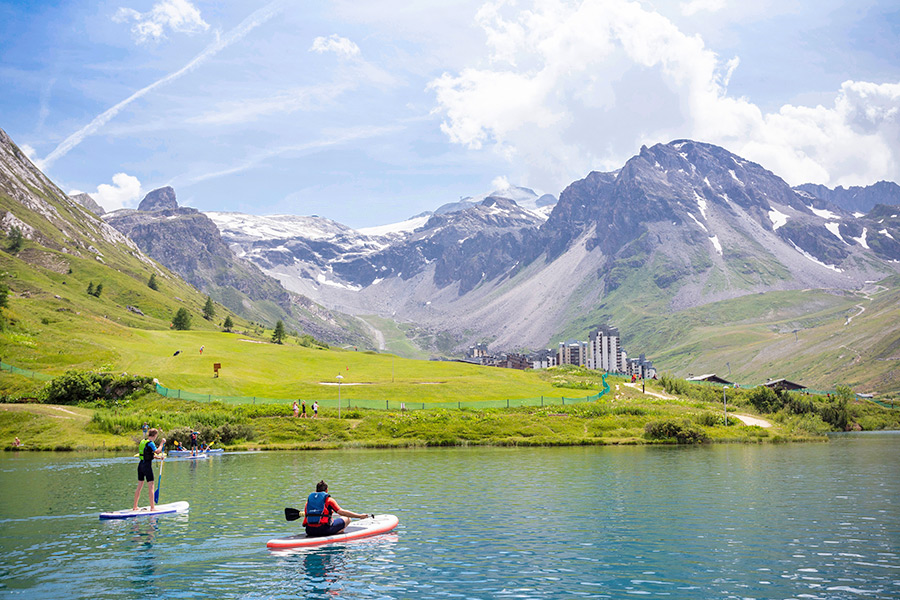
x=683, y=432
x=77, y=387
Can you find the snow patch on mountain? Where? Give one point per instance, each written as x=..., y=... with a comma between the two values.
x=813, y=258
x=406, y=226
x=691, y=215
x=778, y=218
x=715, y=242
x=824, y=213
x=835, y=228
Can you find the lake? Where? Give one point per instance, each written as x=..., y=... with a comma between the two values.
x=715, y=521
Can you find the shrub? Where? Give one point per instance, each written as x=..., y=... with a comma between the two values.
x=77, y=387
x=765, y=399
x=683, y=432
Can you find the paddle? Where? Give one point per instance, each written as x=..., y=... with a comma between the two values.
x=292, y=514
x=158, y=482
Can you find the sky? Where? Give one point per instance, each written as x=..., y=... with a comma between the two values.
x=371, y=112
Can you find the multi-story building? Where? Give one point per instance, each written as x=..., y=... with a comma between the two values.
x=572, y=352
x=604, y=350
x=640, y=368
x=543, y=359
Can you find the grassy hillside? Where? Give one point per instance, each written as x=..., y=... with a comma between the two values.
x=816, y=337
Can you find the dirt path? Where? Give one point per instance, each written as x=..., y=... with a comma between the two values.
x=45, y=409
x=637, y=386
x=748, y=420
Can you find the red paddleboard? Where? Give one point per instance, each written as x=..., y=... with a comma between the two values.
x=357, y=529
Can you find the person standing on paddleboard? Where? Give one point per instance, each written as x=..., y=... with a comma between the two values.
x=319, y=510
x=148, y=452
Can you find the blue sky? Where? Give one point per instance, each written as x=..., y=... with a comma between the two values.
x=371, y=112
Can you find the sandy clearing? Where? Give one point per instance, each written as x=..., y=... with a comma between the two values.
x=748, y=420
x=43, y=409
x=637, y=386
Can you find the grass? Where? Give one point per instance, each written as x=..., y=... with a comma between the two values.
x=619, y=418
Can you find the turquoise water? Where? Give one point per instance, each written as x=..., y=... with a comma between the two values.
x=787, y=521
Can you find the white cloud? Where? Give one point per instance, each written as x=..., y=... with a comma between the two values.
x=178, y=15
x=573, y=86
x=695, y=6
x=123, y=193
x=334, y=43
x=500, y=183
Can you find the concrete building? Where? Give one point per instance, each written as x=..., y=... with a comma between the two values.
x=604, y=349
x=543, y=359
x=640, y=368
x=572, y=352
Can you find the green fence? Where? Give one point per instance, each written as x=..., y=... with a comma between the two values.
x=353, y=403
x=25, y=372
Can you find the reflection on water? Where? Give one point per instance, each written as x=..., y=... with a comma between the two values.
x=811, y=521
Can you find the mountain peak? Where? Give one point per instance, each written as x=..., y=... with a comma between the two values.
x=159, y=199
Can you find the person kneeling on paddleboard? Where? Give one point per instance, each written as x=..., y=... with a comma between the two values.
x=319, y=510
x=148, y=452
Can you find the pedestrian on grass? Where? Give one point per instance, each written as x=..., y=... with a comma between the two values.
x=315, y=409
x=303, y=409
x=296, y=410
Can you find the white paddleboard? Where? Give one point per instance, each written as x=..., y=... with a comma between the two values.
x=357, y=529
x=144, y=511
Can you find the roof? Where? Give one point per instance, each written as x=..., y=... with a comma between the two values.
x=712, y=377
x=783, y=384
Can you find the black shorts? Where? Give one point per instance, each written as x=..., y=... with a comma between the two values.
x=145, y=471
x=337, y=524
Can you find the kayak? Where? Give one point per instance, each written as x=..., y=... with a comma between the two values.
x=188, y=452
x=144, y=511
x=357, y=529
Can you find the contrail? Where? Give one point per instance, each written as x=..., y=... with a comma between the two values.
x=246, y=26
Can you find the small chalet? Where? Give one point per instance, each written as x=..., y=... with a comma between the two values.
x=783, y=384
x=711, y=378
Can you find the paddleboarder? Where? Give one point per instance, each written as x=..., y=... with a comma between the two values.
x=319, y=510
x=148, y=452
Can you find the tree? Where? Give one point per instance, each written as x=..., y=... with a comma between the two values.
x=152, y=282
x=228, y=324
x=16, y=239
x=4, y=295
x=278, y=334
x=98, y=290
x=90, y=289
x=209, y=309
x=182, y=320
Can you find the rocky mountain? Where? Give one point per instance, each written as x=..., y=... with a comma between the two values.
x=159, y=199
x=680, y=225
x=34, y=205
x=89, y=203
x=856, y=199
x=189, y=243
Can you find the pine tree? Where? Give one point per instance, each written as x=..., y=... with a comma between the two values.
x=209, y=309
x=278, y=334
x=182, y=320
x=16, y=239
x=228, y=324
x=90, y=289
x=98, y=290
x=152, y=282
